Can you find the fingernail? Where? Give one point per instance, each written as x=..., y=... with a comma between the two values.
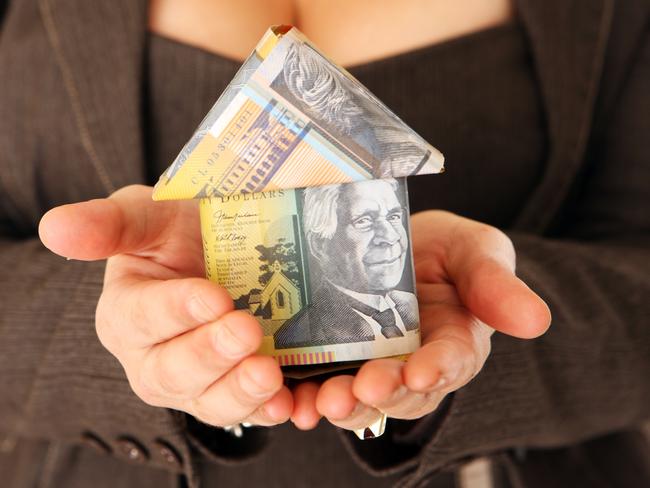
x=200, y=310
x=251, y=386
x=228, y=343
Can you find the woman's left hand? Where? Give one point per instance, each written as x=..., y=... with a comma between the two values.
x=467, y=289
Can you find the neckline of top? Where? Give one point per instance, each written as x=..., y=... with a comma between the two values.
x=453, y=42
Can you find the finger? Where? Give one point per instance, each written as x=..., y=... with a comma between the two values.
x=361, y=417
x=335, y=399
x=276, y=411
x=377, y=381
x=129, y=221
x=452, y=353
x=480, y=260
x=410, y=405
x=136, y=313
x=239, y=393
x=336, y=402
x=502, y=300
x=305, y=416
x=379, y=384
x=185, y=366
x=443, y=363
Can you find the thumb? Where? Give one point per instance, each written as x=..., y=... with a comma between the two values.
x=482, y=265
x=480, y=261
x=127, y=221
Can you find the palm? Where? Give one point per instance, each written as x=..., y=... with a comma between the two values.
x=175, y=333
x=177, y=252
x=466, y=289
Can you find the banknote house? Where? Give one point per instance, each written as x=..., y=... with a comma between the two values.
x=300, y=173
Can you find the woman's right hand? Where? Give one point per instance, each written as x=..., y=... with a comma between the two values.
x=181, y=343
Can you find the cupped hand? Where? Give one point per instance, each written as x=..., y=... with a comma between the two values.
x=175, y=333
x=467, y=289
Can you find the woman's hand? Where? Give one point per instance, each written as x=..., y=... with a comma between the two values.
x=175, y=333
x=467, y=289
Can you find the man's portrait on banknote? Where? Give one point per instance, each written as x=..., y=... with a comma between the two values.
x=360, y=269
x=349, y=113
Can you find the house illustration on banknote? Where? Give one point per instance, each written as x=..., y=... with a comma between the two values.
x=279, y=300
x=301, y=176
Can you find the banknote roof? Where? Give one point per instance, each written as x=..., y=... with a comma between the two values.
x=292, y=118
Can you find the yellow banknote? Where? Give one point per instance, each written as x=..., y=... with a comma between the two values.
x=326, y=271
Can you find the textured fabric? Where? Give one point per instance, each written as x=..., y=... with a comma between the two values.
x=612, y=461
x=72, y=127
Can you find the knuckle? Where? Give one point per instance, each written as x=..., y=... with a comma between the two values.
x=471, y=365
x=188, y=291
x=198, y=290
x=145, y=391
x=120, y=318
x=487, y=231
x=419, y=405
x=430, y=402
x=492, y=234
x=468, y=364
x=250, y=389
x=104, y=329
x=139, y=318
x=137, y=312
x=481, y=334
x=498, y=239
x=164, y=377
x=206, y=414
x=456, y=359
x=101, y=311
x=188, y=287
x=106, y=339
x=127, y=190
x=199, y=348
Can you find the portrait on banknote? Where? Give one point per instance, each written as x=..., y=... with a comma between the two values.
x=361, y=277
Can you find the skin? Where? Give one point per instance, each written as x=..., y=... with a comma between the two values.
x=368, y=250
x=374, y=29
x=182, y=346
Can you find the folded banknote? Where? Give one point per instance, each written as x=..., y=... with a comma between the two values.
x=301, y=173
